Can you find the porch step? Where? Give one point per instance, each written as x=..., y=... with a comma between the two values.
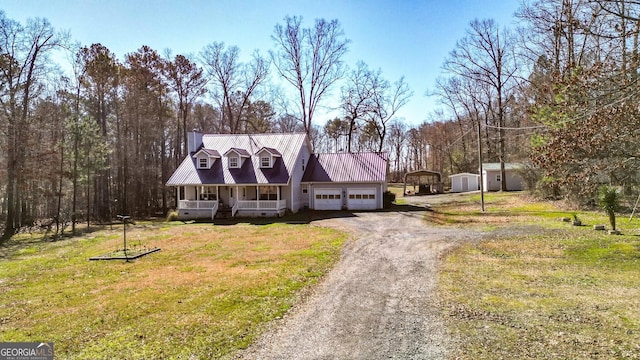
x=224, y=213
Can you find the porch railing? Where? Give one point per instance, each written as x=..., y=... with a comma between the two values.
x=273, y=205
x=261, y=204
x=234, y=209
x=197, y=204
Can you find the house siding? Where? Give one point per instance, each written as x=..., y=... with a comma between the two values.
x=514, y=181
x=296, y=195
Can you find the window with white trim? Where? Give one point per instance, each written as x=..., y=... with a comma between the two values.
x=498, y=178
x=268, y=192
x=234, y=162
x=208, y=193
x=203, y=163
x=265, y=161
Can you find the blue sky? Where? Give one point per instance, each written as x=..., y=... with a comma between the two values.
x=408, y=38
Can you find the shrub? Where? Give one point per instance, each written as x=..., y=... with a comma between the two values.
x=172, y=215
x=609, y=200
x=388, y=199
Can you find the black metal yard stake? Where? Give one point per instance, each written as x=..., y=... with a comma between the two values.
x=124, y=219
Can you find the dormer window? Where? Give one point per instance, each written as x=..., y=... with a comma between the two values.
x=265, y=161
x=234, y=162
x=236, y=157
x=268, y=157
x=205, y=158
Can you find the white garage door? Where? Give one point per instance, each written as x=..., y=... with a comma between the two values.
x=361, y=199
x=328, y=199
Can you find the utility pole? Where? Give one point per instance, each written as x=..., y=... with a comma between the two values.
x=480, y=163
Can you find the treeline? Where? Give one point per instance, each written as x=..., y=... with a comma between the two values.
x=103, y=137
x=100, y=138
x=557, y=92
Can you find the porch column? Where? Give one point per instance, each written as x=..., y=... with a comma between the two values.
x=258, y=196
x=278, y=198
x=218, y=194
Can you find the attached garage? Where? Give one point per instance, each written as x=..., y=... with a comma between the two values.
x=345, y=181
x=362, y=199
x=327, y=199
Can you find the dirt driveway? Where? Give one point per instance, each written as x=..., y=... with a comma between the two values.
x=377, y=303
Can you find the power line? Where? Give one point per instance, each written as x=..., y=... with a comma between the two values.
x=516, y=128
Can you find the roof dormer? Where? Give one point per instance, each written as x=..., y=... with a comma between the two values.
x=205, y=158
x=236, y=157
x=268, y=157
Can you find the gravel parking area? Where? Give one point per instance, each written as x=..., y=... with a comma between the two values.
x=378, y=301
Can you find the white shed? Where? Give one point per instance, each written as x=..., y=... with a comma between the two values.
x=491, y=176
x=464, y=182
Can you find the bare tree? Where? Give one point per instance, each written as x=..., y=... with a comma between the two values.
x=234, y=82
x=397, y=139
x=386, y=100
x=23, y=64
x=357, y=96
x=310, y=59
x=187, y=82
x=486, y=56
x=287, y=123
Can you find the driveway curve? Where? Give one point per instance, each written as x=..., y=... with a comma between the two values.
x=377, y=302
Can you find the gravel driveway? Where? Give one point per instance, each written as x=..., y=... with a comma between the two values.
x=378, y=301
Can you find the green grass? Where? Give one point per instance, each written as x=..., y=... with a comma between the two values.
x=557, y=291
x=206, y=294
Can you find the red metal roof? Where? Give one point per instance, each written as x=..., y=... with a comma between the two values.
x=272, y=151
x=250, y=172
x=241, y=152
x=346, y=167
x=209, y=152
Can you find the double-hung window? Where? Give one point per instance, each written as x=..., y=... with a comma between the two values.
x=265, y=161
x=234, y=162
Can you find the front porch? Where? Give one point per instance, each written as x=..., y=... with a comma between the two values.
x=207, y=202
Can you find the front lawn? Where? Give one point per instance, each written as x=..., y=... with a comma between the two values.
x=539, y=288
x=207, y=293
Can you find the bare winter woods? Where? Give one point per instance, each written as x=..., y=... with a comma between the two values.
x=100, y=135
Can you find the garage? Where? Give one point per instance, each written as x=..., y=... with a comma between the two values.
x=345, y=181
x=328, y=199
x=362, y=199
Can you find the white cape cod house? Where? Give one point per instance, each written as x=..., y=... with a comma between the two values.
x=268, y=174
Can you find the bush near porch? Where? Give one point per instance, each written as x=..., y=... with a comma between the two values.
x=207, y=293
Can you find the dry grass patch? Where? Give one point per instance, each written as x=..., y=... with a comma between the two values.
x=500, y=209
x=556, y=292
x=204, y=295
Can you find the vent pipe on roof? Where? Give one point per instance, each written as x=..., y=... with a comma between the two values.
x=194, y=141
